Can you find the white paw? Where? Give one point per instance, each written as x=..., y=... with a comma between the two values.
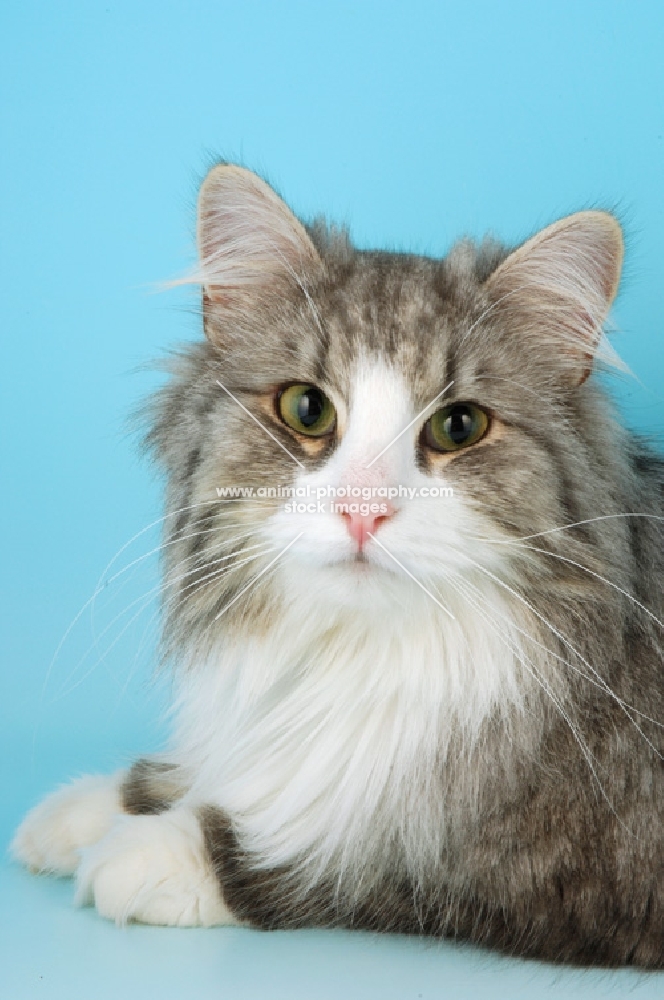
x=153, y=869
x=52, y=835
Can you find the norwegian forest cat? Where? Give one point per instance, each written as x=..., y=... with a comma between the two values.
x=435, y=707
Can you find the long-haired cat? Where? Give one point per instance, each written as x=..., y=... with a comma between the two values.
x=435, y=705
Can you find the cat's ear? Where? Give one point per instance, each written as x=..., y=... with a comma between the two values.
x=252, y=249
x=557, y=288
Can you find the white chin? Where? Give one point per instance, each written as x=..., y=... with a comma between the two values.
x=358, y=583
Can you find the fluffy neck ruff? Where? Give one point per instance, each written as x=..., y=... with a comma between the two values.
x=333, y=737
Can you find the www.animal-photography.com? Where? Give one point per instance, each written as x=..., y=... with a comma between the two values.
x=333, y=562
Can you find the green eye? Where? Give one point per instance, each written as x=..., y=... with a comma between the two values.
x=307, y=410
x=455, y=427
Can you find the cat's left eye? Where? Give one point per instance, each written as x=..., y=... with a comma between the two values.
x=307, y=410
x=454, y=427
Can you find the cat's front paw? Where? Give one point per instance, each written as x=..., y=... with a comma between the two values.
x=52, y=835
x=153, y=869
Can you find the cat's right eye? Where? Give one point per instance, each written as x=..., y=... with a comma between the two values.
x=307, y=410
x=455, y=427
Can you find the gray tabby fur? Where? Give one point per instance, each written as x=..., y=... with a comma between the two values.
x=553, y=851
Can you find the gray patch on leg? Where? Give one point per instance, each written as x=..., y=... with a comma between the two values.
x=266, y=898
x=251, y=894
x=151, y=787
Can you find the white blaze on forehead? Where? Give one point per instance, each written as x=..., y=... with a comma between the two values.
x=380, y=406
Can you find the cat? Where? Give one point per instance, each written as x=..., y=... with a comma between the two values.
x=435, y=715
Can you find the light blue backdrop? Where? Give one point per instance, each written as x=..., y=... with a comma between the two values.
x=415, y=123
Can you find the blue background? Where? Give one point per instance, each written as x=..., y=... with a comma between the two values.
x=415, y=123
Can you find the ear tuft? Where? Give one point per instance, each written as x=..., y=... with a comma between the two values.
x=557, y=288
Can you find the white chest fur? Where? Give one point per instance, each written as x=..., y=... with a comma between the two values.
x=327, y=737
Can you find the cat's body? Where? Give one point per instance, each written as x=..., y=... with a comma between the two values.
x=441, y=716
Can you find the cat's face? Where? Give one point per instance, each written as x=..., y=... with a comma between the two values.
x=329, y=368
x=411, y=419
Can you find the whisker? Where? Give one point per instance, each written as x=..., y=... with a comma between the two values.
x=598, y=576
x=153, y=592
x=269, y=572
x=174, y=604
x=409, y=574
x=263, y=546
x=600, y=685
x=100, y=583
x=165, y=545
x=569, y=645
x=479, y=606
x=528, y=664
x=258, y=576
x=141, y=646
x=565, y=527
x=64, y=692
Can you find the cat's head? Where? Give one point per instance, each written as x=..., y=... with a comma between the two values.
x=460, y=383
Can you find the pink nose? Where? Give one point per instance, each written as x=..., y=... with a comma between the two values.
x=360, y=526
